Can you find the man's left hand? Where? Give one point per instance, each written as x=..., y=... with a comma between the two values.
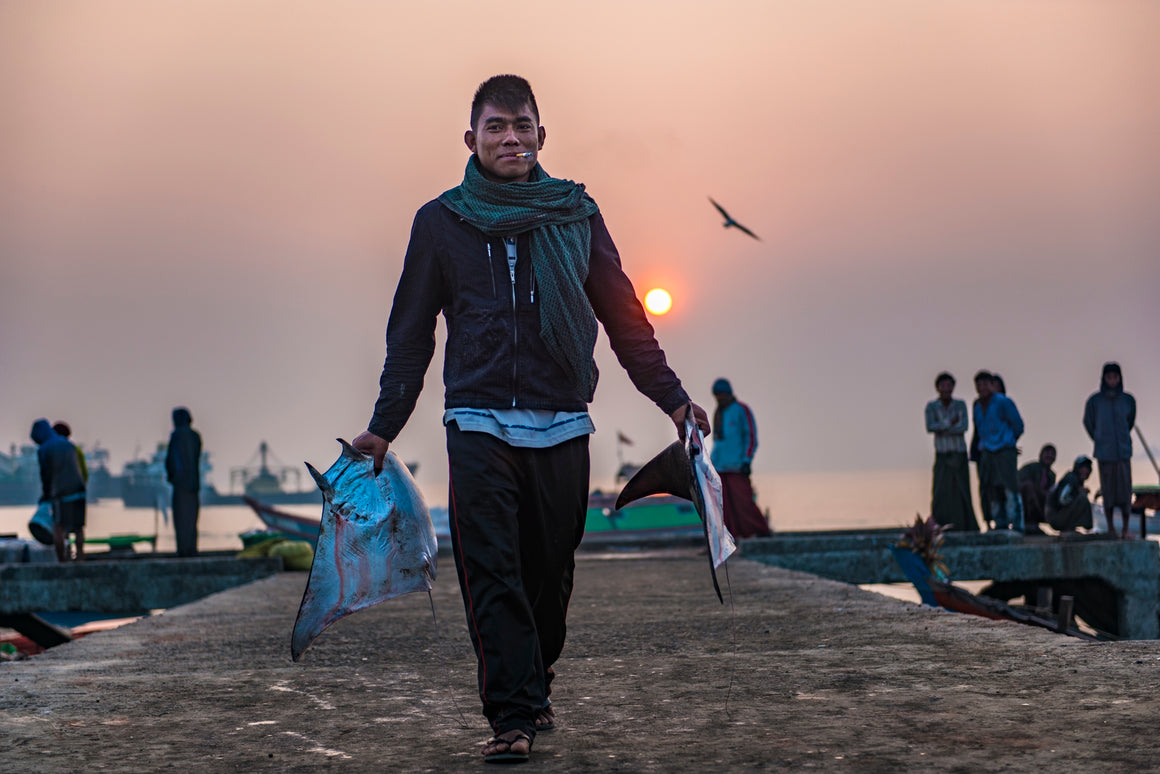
x=699, y=416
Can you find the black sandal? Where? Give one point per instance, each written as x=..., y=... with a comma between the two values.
x=545, y=718
x=508, y=738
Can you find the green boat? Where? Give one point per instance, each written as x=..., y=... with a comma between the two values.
x=658, y=513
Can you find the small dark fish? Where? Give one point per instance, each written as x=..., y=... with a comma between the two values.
x=376, y=542
x=730, y=222
x=683, y=470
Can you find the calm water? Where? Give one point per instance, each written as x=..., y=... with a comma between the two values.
x=795, y=502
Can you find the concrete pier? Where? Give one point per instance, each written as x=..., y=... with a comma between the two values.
x=794, y=672
x=135, y=585
x=1130, y=567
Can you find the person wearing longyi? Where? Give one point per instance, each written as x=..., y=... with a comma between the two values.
x=523, y=270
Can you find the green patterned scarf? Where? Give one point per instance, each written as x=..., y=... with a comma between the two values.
x=556, y=213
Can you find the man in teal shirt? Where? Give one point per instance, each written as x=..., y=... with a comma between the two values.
x=734, y=444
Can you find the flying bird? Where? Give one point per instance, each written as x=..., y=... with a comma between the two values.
x=730, y=222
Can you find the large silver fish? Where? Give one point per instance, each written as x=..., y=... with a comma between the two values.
x=684, y=470
x=376, y=542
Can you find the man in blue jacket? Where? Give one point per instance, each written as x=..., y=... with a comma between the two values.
x=999, y=426
x=734, y=444
x=63, y=485
x=523, y=269
x=1109, y=417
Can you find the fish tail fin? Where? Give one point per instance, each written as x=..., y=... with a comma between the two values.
x=667, y=473
x=326, y=487
x=350, y=452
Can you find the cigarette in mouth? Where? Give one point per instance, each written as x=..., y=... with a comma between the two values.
x=527, y=155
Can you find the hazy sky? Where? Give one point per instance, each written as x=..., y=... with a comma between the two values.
x=207, y=203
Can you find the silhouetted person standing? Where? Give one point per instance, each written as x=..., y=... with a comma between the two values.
x=183, y=469
x=62, y=485
x=1109, y=417
x=734, y=444
x=946, y=418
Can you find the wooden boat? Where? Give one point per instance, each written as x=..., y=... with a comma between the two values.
x=959, y=600
x=86, y=625
x=285, y=523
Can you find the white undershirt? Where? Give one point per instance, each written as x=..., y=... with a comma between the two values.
x=529, y=428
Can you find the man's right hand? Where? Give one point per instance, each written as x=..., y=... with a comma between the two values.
x=369, y=443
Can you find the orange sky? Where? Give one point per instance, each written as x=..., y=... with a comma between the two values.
x=206, y=203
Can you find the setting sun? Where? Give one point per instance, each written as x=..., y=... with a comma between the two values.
x=658, y=301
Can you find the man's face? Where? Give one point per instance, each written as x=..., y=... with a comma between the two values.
x=985, y=388
x=945, y=387
x=1112, y=380
x=722, y=397
x=1047, y=457
x=1083, y=472
x=500, y=136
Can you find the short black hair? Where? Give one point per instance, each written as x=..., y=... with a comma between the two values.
x=506, y=91
x=984, y=375
x=1047, y=446
x=940, y=377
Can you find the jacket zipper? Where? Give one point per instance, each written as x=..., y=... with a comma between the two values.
x=491, y=271
x=515, y=329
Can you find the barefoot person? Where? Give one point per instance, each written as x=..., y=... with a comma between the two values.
x=522, y=268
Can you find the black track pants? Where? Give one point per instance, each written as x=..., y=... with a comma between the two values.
x=517, y=516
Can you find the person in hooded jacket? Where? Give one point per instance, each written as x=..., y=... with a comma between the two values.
x=734, y=444
x=63, y=486
x=183, y=469
x=1109, y=417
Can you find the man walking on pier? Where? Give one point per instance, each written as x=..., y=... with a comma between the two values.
x=1109, y=417
x=522, y=268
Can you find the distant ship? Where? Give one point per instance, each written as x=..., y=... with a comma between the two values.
x=266, y=484
x=19, y=476
x=144, y=483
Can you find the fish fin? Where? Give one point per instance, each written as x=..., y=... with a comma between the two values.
x=667, y=473
x=326, y=487
x=352, y=453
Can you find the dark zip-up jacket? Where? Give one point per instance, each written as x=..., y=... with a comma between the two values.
x=494, y=356
x=183, y=459
x=1109, y=416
